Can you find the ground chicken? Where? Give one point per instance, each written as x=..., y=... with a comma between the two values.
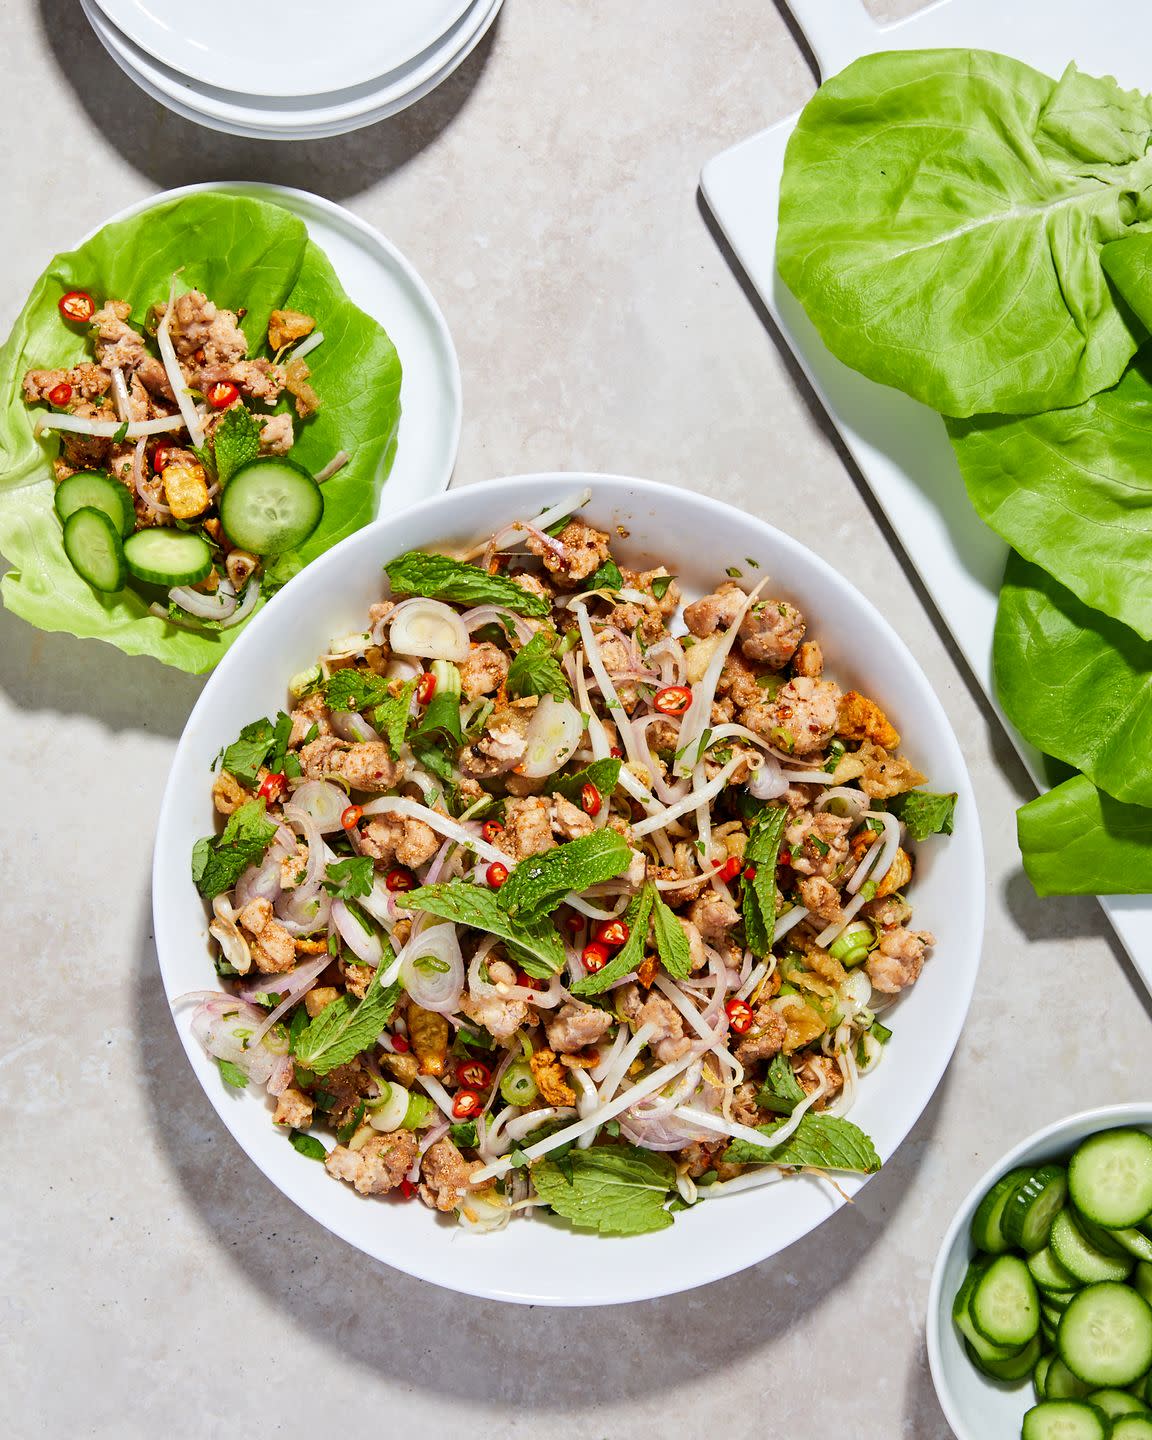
x=698, y=1156
x=272, y=949
x=444, y=1175
x=765, y=1037
x=88, y=382
x=817, y=844
x=378, y=1166
x=293, y=1109
x=817, y=1070
x=716, y=611
x=569, y=822
x=822, y=898
x=502, y=745
x=745, y=1111
x=527, y=827
x=802, y=717
x=533, y=585
x=319, y=998
x=888, y=912
x=575, y=1025
x=696, y=952
x=740, y=682
x=500, y=1017
x=585, y=550
x=770, y=632
x=228, y=794
x=365, y=766
x=713, y=916
x=483, y=670
x=356, y=978
x=276, y=434
x=809, y=660
x=899, y=959
x=669, y=1041
x=202, y=332
x=293, y=867
x=341, y=1090
x=257, y=379
x=311, y=711
x=389, y=838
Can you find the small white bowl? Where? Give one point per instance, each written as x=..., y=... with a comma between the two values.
x=978, y=1408
x=537, y=1261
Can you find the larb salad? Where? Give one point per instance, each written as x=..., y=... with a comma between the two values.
x=546, y=891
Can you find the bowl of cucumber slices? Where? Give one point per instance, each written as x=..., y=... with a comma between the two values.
x=1040, y=1311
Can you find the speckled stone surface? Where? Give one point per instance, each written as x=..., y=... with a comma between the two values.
x=154, y=1284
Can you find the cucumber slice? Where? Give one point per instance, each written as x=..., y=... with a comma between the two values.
x=1004, y=1306
x=1061, y=1384
x=1065, y=1420
x=1103, y=1240
x=961, y=1315
x=1083, y=1259
x=1032, y=1207
x=1105, y=1336
x=1110, y=1178
x=987, y=1233
x=92, y=544
x=271, y=505
x=1132, y=1427
x=94, y=489
x=1015, y=1368
x=1135, y=1242
x=168, y=557
x=1142, y=1280
x=1040, y=1374
x=1048, y=1273
x=1117, y=1402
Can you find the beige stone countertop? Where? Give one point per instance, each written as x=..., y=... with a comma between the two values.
x=154, y=1283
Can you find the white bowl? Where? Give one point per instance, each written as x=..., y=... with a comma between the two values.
x=978, y=1408
x=537, y=1261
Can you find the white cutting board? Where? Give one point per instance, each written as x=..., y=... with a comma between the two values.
x=900, y=445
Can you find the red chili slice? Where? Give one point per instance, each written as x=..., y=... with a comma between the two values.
x=528, y=981
x=672, y=699
x=467, y=1105
x=496, y=874
x=272, y=787
x=221, y=393
x=749, y=872
x=739, y=1016
x=351, y=817
x=613, y=933
x=589, y=799
x=400, y=1044
x=60, y=394
x=77, y=305
x=426, y=687
x=731, y=868
x=595, y=957
x=400, y=879
x=474, y=1074
x=407, y=1189
x=490, y=829
x=160, y=457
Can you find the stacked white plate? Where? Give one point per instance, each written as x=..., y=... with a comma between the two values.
x=318, y=70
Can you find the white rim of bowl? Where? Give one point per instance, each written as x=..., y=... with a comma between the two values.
x=570, y=479
x=1106, y=1117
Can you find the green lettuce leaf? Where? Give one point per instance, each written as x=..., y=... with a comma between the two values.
x=614, y=1189
x=538, y=883
x=439, y=578
x=820, y=1142
x=243, y=253
x=1076, y=840
x=219, y=861
x=1075, y=683
x=942, y=216
x=1071, y=490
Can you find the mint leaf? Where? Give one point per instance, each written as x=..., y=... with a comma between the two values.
x=539, y=949
x=925, y=814
x=538, y=883
x=603, y=774
x=617, y=1189
x=439, y=578
x=630, y=954
x=235, y=442
x=344, y=1028
x=762, y=852
x=218, y=862
x=232, y=1074
x=307, y=1145
x=355, y=690
x=781, y=1091
x=607, y=577
x=821, y=1142
x=660, y=584
x=535, y=671
x=262, y=742
x=391, y=717
x=346, y=879
x=671, y=941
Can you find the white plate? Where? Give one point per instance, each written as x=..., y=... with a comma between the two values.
x=296, y=47
x=386, y=286
x=234, y=116
x=536, y=1261
x=901, y=446
x=294, y=115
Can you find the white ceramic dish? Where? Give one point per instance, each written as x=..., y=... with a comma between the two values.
x=901, y=446
x=308, y=117
x=538, y=1262
x=308, y=48
x=387, y=286
x=976, y=1408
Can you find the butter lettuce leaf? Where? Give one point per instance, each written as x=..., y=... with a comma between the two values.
x=942, y=216
x=244, y=254
x=1076, y=840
